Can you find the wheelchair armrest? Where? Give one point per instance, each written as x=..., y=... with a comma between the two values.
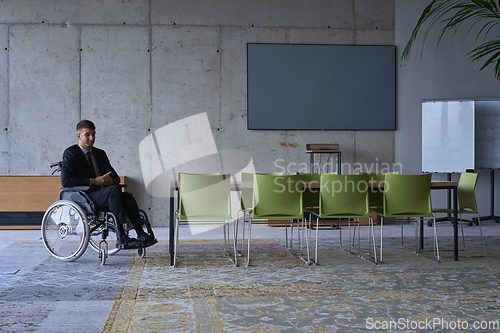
x=78, y=195
x=75, y=188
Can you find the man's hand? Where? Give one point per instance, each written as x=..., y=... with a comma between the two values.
x=104, y=180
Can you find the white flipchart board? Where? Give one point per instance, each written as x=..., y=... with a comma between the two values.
x=448, y=136
x=488, y=134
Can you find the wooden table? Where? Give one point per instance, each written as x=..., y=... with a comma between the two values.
x=247, y=186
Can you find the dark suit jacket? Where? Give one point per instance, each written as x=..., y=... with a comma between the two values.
x=75, y=168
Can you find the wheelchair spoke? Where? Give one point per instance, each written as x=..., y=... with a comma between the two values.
x=65, y=230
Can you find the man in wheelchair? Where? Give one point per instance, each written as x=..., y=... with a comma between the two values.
x=85, y=165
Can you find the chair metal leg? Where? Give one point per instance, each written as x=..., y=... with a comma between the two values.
x=249, y=241
x=381, y=237
x=349, y=232
x=225, y=238
x=359, y=238
x=340, y=232
x=462, y=228
x=316, y=251
x=301, y=236
x=417, y=229
x=243, y=232
x=369, y=237
x=286, y=236
x=370, y=221
x=481, y=233
x=240, y=253
x=176, y=240
x=308, y=239
x=235, y=243
x=299, y=239
x=436, y=238
x=402, y=236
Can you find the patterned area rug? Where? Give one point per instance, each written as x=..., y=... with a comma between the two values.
x=279, y=293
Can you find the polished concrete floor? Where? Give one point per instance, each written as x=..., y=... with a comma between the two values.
x=41, y=294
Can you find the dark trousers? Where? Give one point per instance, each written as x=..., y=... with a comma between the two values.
x=112, y=199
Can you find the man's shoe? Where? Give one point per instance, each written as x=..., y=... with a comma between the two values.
x=147, y=240
x=127, y=242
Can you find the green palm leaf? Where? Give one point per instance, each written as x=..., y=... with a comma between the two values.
x=459, y=17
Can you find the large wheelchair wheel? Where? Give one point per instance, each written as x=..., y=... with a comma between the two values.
x=96, y=237
x=65, y=230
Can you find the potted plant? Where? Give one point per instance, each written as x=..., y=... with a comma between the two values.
x=459, y=17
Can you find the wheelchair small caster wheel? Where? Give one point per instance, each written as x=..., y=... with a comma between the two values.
x=102, y=256
x=141, y=252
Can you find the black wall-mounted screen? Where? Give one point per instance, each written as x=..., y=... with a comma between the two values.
x=321, y=87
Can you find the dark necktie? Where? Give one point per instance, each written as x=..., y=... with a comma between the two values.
x=91, y=165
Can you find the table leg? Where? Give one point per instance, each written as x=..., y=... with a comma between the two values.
x=421, y=221
x=339, y=163
x=455, y=224
x=171, y=228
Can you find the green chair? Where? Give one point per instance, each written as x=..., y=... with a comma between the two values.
x=275, y=197
x=376, y=198
x=246, y=200
x=310, y=201
x=204, y=199
x=407, y=196
x=344, y=196
x=310, y=198
x=466, y=202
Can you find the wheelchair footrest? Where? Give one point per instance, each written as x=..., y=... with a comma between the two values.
x=153, y=242
x=129, y=247
x=137, y=246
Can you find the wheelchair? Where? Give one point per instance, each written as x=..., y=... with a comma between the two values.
x=73, y=223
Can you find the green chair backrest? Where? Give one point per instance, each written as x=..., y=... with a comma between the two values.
x=310, y=198
x=466, y=192
x=247, y=196
x=343, y=196
x=277, y=197
x=179, y=175
x=407, y=195
x=204, y=197
x=376, y=198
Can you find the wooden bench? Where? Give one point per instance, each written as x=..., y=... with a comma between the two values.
x=29, y=196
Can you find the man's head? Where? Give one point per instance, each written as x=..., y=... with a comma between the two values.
x=85, y=132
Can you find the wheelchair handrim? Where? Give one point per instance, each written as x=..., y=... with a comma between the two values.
x=62, y=230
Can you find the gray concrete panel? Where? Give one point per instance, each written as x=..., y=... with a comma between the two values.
x=265, y=147
x=375, y=151
x=375, y=37
x=116, y=96
x=186, y=73
x=71, y=12
x=4, y=94
x=258, y=13
x=370, y=14
x=43, y=94
x=185, y=83
x=321, y=36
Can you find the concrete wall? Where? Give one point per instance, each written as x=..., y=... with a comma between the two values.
x=442, y=73
x=136, y=66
